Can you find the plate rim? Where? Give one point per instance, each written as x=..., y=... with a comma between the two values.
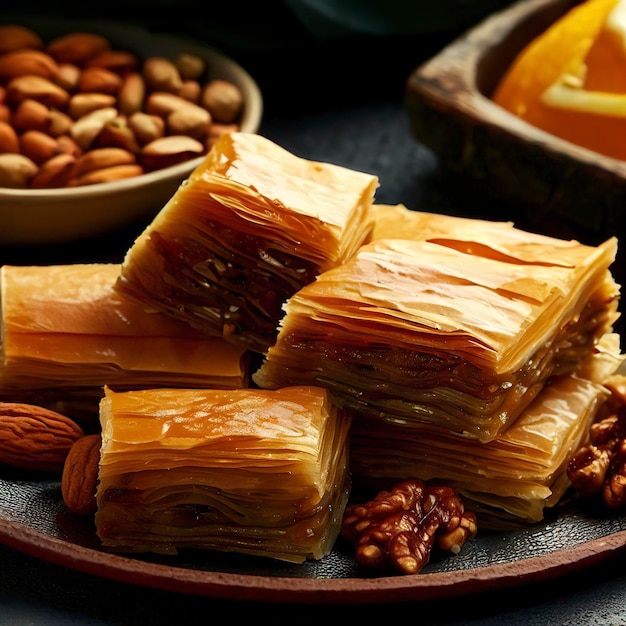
x=283, y=589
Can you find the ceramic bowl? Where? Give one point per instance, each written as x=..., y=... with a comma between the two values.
x=54, y=216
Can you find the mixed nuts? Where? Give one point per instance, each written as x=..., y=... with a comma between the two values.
x=77, y=111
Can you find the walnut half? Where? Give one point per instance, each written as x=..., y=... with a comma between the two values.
x=398, y=529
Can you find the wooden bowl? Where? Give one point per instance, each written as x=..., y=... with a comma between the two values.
x=536, y=179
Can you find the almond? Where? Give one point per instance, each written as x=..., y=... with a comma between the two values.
x=119, y=61
x=16, y=170
x=55, y=172
x=79, y=480
x=162, y=103
x=9, y=141
x=15, y=37
x=168, y=151
x=117, y=133
x=190, y=66
x=38, y=146
x=108, y=175
x=35, y=438
x=82, y=103
x=191, y=90
x=31, y=115
x=99, y=80
x=68, y=145
x=60, y=123
x=162, y=75
x=27, y=62
x=146, y=128
x=101, y=158
x=216, y=131
x=190, y=120
x=67, y=76
x=85, y=130
x=36, y=88
x=132, y=94
x=77, y=47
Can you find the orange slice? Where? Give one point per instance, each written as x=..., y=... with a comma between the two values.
x=571, y=80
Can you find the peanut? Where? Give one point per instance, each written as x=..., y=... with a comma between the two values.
x=60, y=100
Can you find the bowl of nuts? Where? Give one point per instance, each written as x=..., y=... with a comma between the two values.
x=100, y=123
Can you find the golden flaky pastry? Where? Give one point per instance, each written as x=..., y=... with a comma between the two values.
x=452, y=336
x=252, y=471
x=252, y=225
x=66, y=333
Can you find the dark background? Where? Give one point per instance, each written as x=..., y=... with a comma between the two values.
x=332, y=92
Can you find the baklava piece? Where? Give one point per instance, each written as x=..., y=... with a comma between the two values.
x=252, y=471
x=65, y=333
x=251, y=225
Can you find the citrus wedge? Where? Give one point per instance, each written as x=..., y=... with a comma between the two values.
x=571, y=80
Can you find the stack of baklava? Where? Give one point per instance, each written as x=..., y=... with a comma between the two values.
x=472, y=354
x=190, y=458
x=393, y=344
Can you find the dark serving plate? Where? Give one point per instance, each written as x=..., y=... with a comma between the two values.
x=34, y=520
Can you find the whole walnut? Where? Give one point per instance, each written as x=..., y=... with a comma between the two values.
x=398, y=529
